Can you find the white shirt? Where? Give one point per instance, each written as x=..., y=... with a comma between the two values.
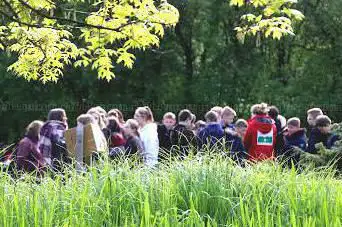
x=149, y=138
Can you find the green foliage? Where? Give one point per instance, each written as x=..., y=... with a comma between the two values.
x=45, y=42
x=272, y=18
x=210, y=191
x=326, y=157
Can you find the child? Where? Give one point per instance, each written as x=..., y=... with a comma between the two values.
x=182, y=136
x=199, y=125
x=312, y=114
x=227, y=118
x=29, y=158
x=321, y=133
x=51, y=141
x=164, y=129
x=294, y=138
x=148, y=134
x=260, y=137
x=218, y=111
x=133, y=143
x=114, y=133
x=295, y=135
x=280, y=123
x=213, y=132
x=235, y=143
x=85, y=119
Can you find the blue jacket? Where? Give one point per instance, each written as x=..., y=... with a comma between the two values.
x=235, y=145
x=212, y=133
x=297, y=139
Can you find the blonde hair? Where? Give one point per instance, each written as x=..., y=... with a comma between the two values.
x=33, y=129
x=146, y=113
x=241, y=123
x=217, y=109
x=169, y=115
x=294, y=121
x=86, y=119
x=228, y=111
x=101, y=121
x=315, y=112
x=261, y=108
x=133, y=124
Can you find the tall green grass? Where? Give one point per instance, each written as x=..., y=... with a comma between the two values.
x=206, y=191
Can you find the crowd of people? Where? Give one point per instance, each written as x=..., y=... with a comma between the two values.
x=266, y=135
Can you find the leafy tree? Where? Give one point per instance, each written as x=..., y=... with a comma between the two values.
x=45, y=41
x=47, y=35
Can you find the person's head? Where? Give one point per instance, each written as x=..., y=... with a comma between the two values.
x=85, y=119
x=259, y=109
x=185, y=117
x=218, y=111
x=312, y=115
x=169, y=120
x=102, y=115
x=118, y=114
x=113, y=124
x=131, y=128
x=97, y=117
x=293, y=125
x=241, y=127
x=228, y=115
x=199, y=125
x=102, y=111
x=273, y=112
x=33, y=129
x=323, y=123
x=143, y=115
x=58, y=115
x=211, y=117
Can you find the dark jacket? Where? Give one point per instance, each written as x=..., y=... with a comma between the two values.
x=260, y=138
x=211, y=134
x=280, y=142
x=317, y=137
x=297, y=139
x=133, y=146
x=182, y=139
x=28, y=156
x=235, y=145
x=164, y=137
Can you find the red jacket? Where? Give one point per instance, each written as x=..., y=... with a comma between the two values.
x=260, y=138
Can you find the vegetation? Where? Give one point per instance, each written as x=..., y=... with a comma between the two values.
x=204, y=191
x=200, y=63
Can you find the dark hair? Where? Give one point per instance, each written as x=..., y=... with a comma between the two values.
x=273, y=112
x=116, y=113
x=113, y=124
x=323, y=121
x=184, y=115
x=211, y=116
x=56, y=114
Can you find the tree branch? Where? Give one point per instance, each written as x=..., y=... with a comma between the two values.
x=82, y=24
